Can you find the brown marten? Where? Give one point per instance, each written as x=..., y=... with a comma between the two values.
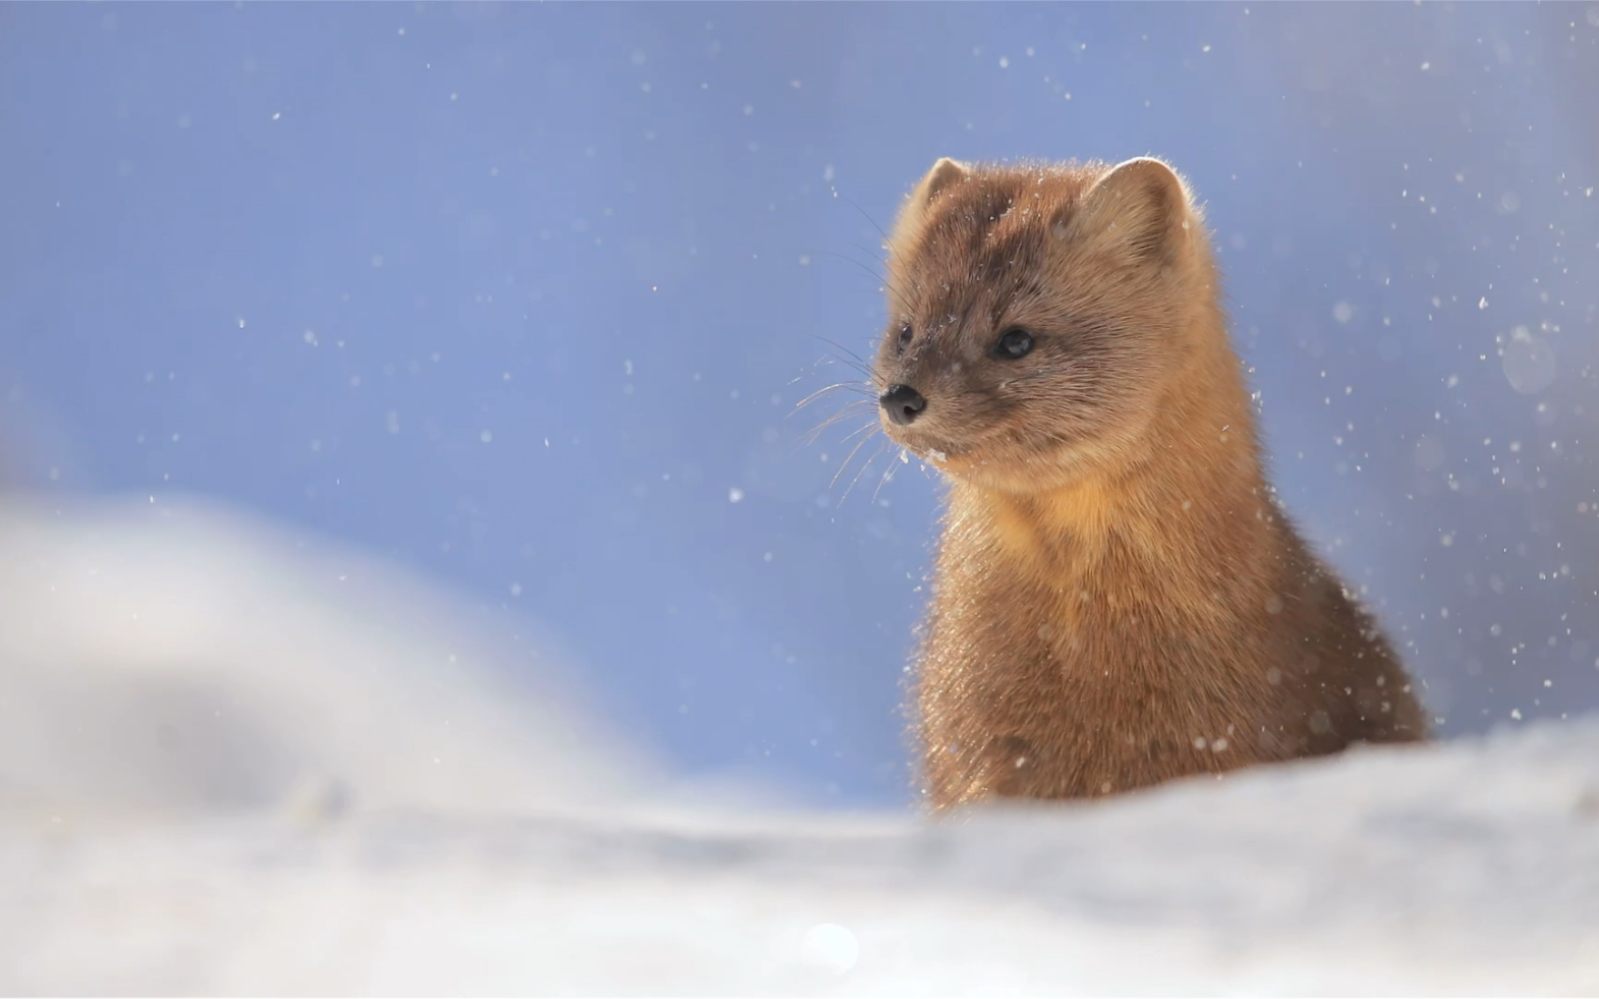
x=1118, y=597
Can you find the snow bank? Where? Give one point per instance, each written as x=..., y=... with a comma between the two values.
x=363, y=816
x=178, y=658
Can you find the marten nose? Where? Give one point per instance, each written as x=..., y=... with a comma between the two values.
x=902, y=403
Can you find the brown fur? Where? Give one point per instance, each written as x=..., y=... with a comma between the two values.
x=1119, y=599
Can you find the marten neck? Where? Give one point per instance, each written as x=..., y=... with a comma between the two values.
x=1188, y=502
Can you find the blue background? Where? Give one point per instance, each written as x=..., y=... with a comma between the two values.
x=524, y=296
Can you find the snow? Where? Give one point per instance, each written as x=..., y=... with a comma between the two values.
x=234, y=761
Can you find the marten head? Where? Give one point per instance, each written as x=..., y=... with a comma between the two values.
x=1038, y=315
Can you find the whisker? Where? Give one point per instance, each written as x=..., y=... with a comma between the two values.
x=838, y=346
x=864, y=466
x=810, y=436
x=874, y=425
x=870, y=253
x=858, y=208
x=853, y=405
x=888, y=476
x=857, y=387
x=882, y=481
x=884, y=282
x=876, y=277
x=900, y=301
x=814, y=434
x=857, y=366
x=854, y=360
x=831, y=358
x=850, y=457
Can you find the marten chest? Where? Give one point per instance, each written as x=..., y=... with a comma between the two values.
x=1024, y=646
x=1049, y=685
x=1117, y=607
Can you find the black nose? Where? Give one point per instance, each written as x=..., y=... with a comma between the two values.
x=902, y=403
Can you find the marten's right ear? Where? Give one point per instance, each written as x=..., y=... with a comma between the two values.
x=1138, y=210
x=945, y=173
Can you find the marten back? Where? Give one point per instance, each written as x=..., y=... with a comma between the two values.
x=1118, y=598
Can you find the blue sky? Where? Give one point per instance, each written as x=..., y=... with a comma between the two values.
x=523, y=296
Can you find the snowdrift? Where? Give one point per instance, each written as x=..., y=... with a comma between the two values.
x=233, y=762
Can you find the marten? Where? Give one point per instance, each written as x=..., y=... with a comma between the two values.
x=1118, y=597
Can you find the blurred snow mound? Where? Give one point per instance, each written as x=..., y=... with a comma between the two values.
x=179, y=658
x=168, y=681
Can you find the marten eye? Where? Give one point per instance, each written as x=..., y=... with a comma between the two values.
x=905, y=335
x=1013, y=343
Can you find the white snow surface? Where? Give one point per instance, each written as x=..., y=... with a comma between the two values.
x=232, y=761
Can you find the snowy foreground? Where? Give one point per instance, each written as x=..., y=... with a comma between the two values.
x=229, y=763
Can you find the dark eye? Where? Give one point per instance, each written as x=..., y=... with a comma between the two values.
x=1013, y=343
x=904, y=337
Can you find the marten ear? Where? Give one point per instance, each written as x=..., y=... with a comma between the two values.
x=1139, y=210
x=945, y=173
